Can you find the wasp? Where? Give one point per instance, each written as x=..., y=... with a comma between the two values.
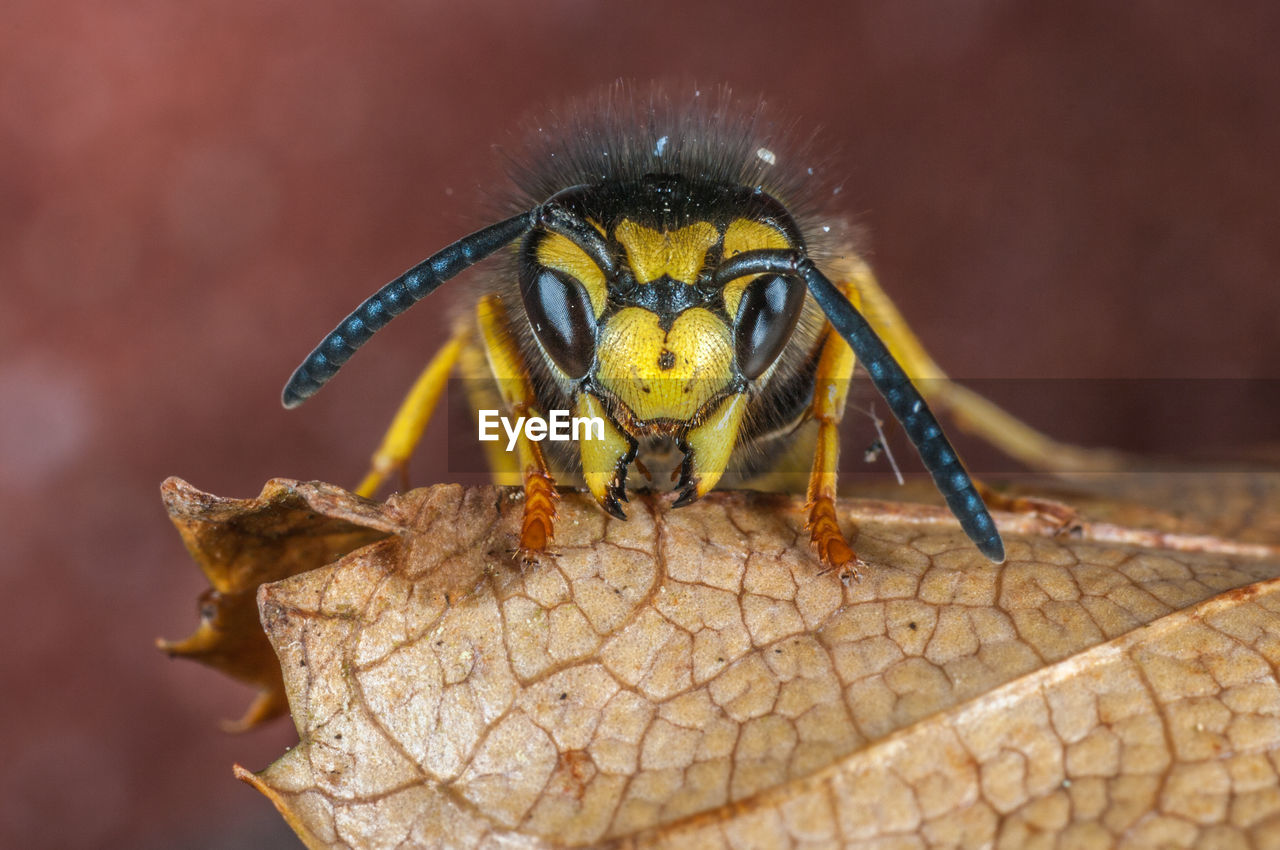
x=667, y=271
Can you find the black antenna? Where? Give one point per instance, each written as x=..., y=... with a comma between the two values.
x=903, y=398
x=396, y=297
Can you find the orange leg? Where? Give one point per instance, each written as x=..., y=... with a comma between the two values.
x=538, y=526
x=831, y=389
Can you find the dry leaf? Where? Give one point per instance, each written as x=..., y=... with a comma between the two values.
x=241, y=544
x=687, y=679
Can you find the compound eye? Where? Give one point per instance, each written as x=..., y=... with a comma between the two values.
x=562, y=319
x=767, y=314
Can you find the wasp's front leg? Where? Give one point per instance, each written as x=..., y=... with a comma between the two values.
x=831, y=389
x=537, y=529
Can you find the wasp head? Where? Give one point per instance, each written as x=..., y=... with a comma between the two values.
x=629, y=312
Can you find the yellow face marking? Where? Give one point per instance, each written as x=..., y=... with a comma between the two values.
x=559, y=253
x=600, y=458
x=665, y=375
x=712, y=442
x=745, y=235
x=677, y=253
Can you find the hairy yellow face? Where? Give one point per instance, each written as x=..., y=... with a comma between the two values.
x=667, y=374
x=665, y=357
x=656, y=342
x=667, y=368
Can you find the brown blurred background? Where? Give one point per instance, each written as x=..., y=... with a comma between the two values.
x=192, y=193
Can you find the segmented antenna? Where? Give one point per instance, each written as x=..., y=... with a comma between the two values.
x=393, y=299
x=910, y=409
x=904, y=400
